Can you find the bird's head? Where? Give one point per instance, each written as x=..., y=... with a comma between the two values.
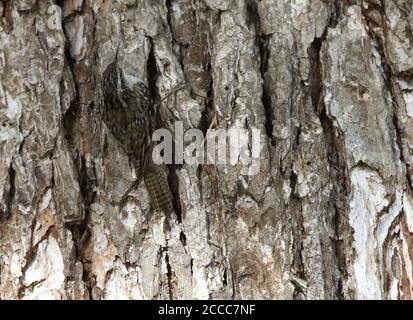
x=113, y=73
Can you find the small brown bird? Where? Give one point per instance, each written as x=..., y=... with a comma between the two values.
x=128, y=110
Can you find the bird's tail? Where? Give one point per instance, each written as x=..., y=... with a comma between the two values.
x=158, y=189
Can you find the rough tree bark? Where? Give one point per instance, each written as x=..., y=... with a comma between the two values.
x=329, y=216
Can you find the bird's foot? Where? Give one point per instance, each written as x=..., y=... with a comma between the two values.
x=125, y=197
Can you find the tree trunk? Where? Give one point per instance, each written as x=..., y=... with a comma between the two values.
x=328, y=216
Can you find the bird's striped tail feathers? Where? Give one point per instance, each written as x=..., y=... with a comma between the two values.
x=160, y=195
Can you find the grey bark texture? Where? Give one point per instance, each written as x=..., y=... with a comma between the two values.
x=329, y=215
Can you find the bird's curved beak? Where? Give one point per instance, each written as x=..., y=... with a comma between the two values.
x=117, y=53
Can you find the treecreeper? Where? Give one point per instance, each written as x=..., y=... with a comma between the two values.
x=129, y=112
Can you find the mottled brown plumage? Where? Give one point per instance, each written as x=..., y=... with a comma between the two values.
x=129, y=113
